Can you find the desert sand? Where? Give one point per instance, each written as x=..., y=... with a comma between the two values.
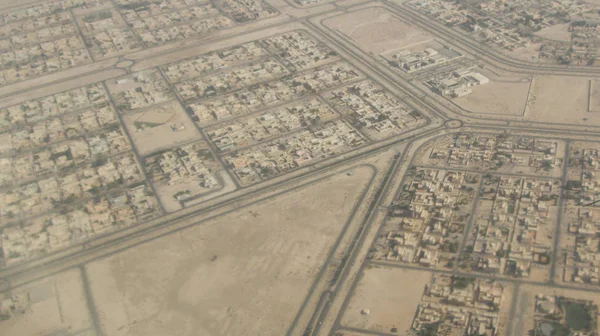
x=57, y=305
x=391, y=297
x=559, y=32
x=502, y=95
x=376, y=30
x=245, y=273
x=560, y=99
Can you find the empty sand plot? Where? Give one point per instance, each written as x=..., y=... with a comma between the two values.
x=527, y=53
x=560, y=99
x=160, y=127
x=558, y=32
x=502, y=95
x=350, y=333
x=245, y=273
x=53, y=306
x=594, y=90
x=386, y=298
x=376, y=30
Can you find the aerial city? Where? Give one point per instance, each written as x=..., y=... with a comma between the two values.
x=299, y=167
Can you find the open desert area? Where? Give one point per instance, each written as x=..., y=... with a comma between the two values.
x=376, y=30
x=385, y=298
x=351, y=333
x=56, y=305
x=529, y=53
x=502, y=95
x=594, y=99
x=245, y=273
x=560, y=99
x=559, y=32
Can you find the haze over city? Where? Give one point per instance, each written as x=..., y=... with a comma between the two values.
x=299, y=167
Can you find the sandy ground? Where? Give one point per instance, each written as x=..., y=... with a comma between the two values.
x=58, y=304
x=539, y=273
x=151, y=129
x=391, y=295
x=502, y=95
x=376, y=30
x=557, y=33
x=5, y=143
x=560, y=99
x=349, y=333
x=594, y=101
x=245, y=273
x=524, y=314
x=527, y=53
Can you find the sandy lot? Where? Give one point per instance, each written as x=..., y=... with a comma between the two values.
x=245, y=273
x=349, y=333
x=391, y=295
x=57, y=304
x=560, y=99
x=502, y=95
x=557, y=33
x=527, y=53
x=376, y=30
x=160, y=127
x=524, y=314
x=594, y=90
